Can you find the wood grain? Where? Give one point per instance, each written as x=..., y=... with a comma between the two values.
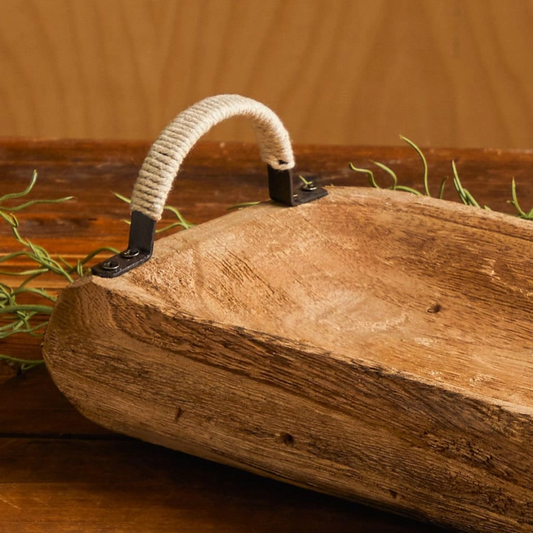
x=297, y=343
x=444, y=73
x=120, y=486
x=53, y=460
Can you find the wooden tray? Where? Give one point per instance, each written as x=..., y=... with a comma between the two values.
x=371, y=345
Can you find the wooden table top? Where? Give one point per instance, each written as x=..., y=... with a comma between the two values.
x=62, y=473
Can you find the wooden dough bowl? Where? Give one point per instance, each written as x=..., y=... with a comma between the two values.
x=371, y=344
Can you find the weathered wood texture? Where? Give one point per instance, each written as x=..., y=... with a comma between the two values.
x=443, y=72
x=370, y=344
x=62, y=472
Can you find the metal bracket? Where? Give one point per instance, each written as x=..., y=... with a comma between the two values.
x=140, y=248
x=281, y=189
x=142, y=229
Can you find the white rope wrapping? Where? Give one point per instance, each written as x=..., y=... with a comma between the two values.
x=176, y=140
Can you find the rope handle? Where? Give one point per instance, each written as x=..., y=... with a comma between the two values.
x=168, y=152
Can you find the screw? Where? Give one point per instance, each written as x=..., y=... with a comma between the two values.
x=110, y=265
x=130, y=252
x=309, y=187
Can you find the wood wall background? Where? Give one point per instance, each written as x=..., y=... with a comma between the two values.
x=442, y=72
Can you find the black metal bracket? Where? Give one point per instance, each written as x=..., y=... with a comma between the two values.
x=142, y=229
x=140, y=248
x=281, y=189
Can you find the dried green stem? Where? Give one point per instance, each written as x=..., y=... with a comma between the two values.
x=26, y=308
x=23, y=316
x=25, y=364
x=464, y=194
x=423, y=159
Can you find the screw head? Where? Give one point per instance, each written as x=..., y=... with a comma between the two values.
x=110, y=265
x=130, y=252
x=309, y=187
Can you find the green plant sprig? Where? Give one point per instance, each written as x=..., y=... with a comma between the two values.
x=514, y=202
x=24, y=317
x=424, y=162
x=27, y=318
x=395, y=186
x=464, y=194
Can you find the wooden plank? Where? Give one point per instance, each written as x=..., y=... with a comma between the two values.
x=30, y=405
x=129, y=486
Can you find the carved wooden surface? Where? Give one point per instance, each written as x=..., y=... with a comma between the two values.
x=370, y=345
x=60, y=472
